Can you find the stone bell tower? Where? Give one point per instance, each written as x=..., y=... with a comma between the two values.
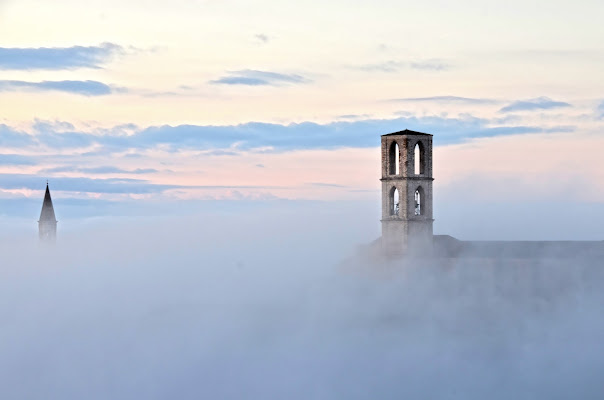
x=407, y=193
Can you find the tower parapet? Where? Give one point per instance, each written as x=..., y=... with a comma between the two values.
x=407, y=214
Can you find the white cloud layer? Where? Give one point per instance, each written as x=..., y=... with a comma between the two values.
x=228, y=306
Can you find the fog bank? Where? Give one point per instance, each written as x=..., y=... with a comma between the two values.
x=270, y=305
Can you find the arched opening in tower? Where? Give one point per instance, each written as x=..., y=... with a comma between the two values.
x=394, y=201
x=419, y=198
x=418, y=156
x=394, y=159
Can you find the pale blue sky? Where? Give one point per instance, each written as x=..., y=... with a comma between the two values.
x=267, y=99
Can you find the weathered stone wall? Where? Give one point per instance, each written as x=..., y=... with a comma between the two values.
x=394, y=237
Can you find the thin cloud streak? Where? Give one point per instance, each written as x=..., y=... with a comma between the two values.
x=540, y=103
x=600, y=110
x=445, y=99
x=231, y=140
x=328, y=185
x=392, y=66
x=430, y=65
x=57, y=58
x=99, y=170
x=354, y=116
x=105, y=185
x=12, y=138
x=310, y=135
x=81, y=184
x=250, y=77
x=17, y=159
x=387, y=66
x=84, y=88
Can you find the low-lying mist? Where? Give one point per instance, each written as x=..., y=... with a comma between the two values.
x=275, y=304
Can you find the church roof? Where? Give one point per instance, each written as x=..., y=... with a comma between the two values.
x=407, y=132
x=48, y=211
x=448, y=246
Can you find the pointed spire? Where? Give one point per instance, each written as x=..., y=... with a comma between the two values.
x=48, y=212
x=47, y=225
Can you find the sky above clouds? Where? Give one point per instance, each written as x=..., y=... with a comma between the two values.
x=226, y=99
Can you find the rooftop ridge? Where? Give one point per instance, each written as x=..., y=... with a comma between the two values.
x=407, y=132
